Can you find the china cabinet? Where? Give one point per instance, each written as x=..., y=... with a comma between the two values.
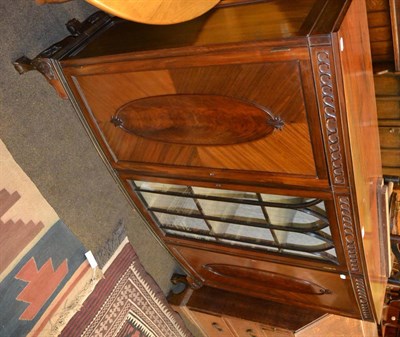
x=248, y=140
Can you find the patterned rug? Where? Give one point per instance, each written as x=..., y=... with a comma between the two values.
x=47, y=286
x=126, y=303
x=42, y=263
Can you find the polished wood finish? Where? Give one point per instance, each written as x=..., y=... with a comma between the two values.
x=196, y=119
x=266, y=279
x=155, y=12
x=236, y=24
x=266, y=152
x=336, y=293
x=271, y=97
x=332, y=326
x=242, y=316
x=361, y=120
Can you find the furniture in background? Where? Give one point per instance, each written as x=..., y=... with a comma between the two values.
x=156, y=12
x=248, y=139
x=218, y=313
x=383, y=26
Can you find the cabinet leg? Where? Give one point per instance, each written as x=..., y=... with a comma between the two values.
x=23, y=65
x=187, y=281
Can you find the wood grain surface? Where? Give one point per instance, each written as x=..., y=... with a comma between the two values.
x=157, y=12
x=281, y=95
x=362, y=122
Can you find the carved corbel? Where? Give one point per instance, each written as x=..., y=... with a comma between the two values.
x=45, y=67
x=45, y=62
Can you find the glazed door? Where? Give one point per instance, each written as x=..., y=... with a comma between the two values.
x=288, y=225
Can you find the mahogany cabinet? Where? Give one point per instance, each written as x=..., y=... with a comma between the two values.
x=218, y=313
x=248, y=140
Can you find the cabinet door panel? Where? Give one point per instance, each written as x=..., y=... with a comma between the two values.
x=249, y=117
x=282, y=283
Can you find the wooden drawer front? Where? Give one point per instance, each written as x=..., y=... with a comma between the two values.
x=281, y=283
x=389, y=137
x=244, y=328
x=213, y=326
x=251, y=117
x=268, y=331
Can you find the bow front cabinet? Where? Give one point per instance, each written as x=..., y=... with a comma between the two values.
x=247, y=138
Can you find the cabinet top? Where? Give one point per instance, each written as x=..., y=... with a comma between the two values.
x=228, y=23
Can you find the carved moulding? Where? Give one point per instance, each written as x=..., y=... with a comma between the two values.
x=323, y=71
x=363, y=302
x=348, y=231
x=349, y=238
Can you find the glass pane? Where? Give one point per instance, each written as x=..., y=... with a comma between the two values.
x=150, y=186
x=181, y=222
x=278, y=223
x=248, y=245
x=241, y=232
x=227, y=210
x=301, y=239
x=321, y=256
x=190, y=235
x=288, y=217
x=225, y=193
x=281, y=236
x=168, y=202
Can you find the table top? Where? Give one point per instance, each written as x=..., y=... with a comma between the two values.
x=158, y=12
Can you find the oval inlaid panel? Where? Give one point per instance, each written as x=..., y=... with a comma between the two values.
x=263, y=278
x=195, y=119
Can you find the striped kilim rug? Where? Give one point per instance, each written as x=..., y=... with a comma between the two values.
x=47, y=286
x=42, y=263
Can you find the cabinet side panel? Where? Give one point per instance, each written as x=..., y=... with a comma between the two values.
x=360, y=118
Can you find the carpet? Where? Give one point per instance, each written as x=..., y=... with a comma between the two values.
x=42, y=263
x=126, y=302
x=47, y=286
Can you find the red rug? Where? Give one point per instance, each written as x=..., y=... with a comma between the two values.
x=126, y=303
